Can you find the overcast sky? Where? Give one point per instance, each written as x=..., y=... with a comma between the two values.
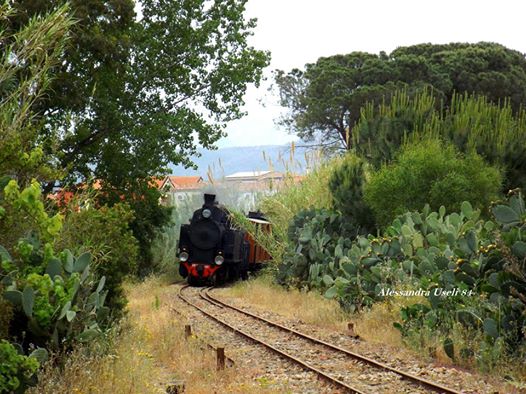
x=300, y=31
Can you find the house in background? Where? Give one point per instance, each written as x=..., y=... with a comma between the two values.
x=261, y=180
x=178, y=189
x=240, y=190
x=250, y=186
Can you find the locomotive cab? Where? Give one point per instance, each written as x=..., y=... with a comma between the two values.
x=211, y=250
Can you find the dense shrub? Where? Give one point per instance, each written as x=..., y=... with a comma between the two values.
x=54, y=297
x=16, y=370
x=434, y=173
x=149, y=219
x=490, y=262
x=6, y=314
x=104, y=232
x=480, y=262
x=346, y=185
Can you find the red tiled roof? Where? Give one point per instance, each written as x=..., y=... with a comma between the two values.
x=61, y=197
x=186, y=182
x=157, y=182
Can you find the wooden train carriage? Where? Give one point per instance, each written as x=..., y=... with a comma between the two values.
x=257, y=254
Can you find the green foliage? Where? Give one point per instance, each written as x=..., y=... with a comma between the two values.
x=470, y=271
x=424, y=253
x=23, y=213
x=434, y=173
x=486, y=68
x=47, y=298
x=347, y=184
x=105, y=233
x=150, y=217
x=56, y=301
x=38, y=44
x=53, y=298
x=6, y=314
x=349, y=268
x=16, y=370
x=469, y=123
x=122, y=124
x=487, y=260
x=325, y=99
x=311, y=192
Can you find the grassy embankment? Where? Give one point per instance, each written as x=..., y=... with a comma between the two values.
x=147, y=353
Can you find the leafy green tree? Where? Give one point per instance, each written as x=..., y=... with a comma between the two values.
x=136, y=93
x=325, y=99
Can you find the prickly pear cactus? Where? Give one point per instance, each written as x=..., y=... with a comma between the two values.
x=489, y=261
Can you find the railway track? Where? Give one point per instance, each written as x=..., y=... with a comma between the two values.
x=346, y=370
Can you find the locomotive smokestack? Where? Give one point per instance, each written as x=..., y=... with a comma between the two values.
x=210, y=199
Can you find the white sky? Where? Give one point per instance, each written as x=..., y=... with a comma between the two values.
x=300, y=31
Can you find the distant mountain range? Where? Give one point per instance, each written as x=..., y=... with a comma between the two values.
x=226, y=161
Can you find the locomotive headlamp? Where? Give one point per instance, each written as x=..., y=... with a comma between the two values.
x=183, y=256
x=207, y=213
x=219, y=260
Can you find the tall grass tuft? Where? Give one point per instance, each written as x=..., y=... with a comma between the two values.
x=293, y=195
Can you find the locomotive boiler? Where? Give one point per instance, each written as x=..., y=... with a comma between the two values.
x=212, y=250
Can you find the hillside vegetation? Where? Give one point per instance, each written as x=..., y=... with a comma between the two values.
x=419, y=216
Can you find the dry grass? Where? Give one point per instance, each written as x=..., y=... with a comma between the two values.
x=374, y=325
x=309, y=307
x=149, y=353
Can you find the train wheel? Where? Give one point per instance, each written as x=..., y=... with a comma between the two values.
x=244, y=263
x=233, y=272
x=244, y=274
x=183, y=271
x=220, y=277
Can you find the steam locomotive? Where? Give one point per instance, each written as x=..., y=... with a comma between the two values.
x=213, y=251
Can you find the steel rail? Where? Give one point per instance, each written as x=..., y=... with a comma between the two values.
x=303, y=364
x=207, y=298
x=436, y=387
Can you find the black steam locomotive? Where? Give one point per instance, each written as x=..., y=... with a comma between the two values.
x=212, y=250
